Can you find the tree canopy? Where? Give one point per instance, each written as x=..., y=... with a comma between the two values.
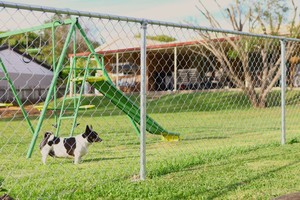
x=160, y=38
x=235, y=54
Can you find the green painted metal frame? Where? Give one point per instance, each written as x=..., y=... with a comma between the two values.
x=72, y=74
x=56, y=69
x=51, y=25
x=103, y=70
x=73, y=25
x=14, y=91
x=76, y=97
x=63, y=109
x=36, y=28
x=76, y=108
x=54, y=64
x=52, y=86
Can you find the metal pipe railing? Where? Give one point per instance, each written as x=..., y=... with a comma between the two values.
x=132, y=19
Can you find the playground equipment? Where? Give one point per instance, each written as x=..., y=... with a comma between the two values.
x=5, y=105
x=30, y=50
x=103, y=84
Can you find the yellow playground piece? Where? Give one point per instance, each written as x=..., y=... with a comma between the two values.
x=4, y=105
x=83, y=107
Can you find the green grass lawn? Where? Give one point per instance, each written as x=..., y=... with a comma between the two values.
x=228, y=151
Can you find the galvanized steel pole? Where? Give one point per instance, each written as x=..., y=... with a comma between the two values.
x=283, y=87
x=143, y=103
x=175, y=69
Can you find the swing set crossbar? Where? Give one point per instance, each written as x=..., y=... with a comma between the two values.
x=37, y=28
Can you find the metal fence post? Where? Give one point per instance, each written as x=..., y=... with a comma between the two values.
x=175, y=69
x=283, y=87
x=143, y=103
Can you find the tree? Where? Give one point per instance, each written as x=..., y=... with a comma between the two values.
x=22, y=42
x=60, y=37
x=159, y=38
x=235, y=52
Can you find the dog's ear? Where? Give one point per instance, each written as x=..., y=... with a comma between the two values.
x=91, y=127
x=47, y=134
x=87, y=130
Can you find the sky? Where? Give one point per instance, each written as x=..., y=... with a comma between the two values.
x=178, y=11
x=163, y=10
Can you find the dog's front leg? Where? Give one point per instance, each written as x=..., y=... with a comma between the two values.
x=44, y=158
x=45, y=151
x=77, y=159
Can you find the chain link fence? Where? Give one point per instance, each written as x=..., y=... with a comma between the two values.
x=220, y=92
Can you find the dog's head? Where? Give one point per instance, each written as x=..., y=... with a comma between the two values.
x=91, y=135
x=45, y=139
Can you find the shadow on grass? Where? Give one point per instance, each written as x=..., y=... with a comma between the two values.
x=1, y=183
x=205, y=138
x=225, y=162
x=232, y=187
x=110, y=158
x=204, y=158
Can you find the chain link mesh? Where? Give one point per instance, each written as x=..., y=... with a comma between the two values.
x=219, y=91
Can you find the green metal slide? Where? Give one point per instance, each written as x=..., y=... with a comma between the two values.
x=128, y=107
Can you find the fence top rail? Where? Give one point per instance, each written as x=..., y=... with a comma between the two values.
x=132, y=19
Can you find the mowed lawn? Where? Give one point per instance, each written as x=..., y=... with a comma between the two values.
x=228, y=150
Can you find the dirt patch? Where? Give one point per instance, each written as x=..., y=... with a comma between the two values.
x=15, y=111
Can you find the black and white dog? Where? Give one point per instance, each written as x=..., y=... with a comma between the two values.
x=68, y=147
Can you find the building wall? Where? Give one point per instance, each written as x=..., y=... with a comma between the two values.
x=27, y=96
x=31, y=80
x=160, y=69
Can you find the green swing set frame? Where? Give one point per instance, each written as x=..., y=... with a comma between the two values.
x=102, y=83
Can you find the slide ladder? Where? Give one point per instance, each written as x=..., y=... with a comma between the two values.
x=75, y=96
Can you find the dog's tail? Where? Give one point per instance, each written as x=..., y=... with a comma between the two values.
x=45, y=139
